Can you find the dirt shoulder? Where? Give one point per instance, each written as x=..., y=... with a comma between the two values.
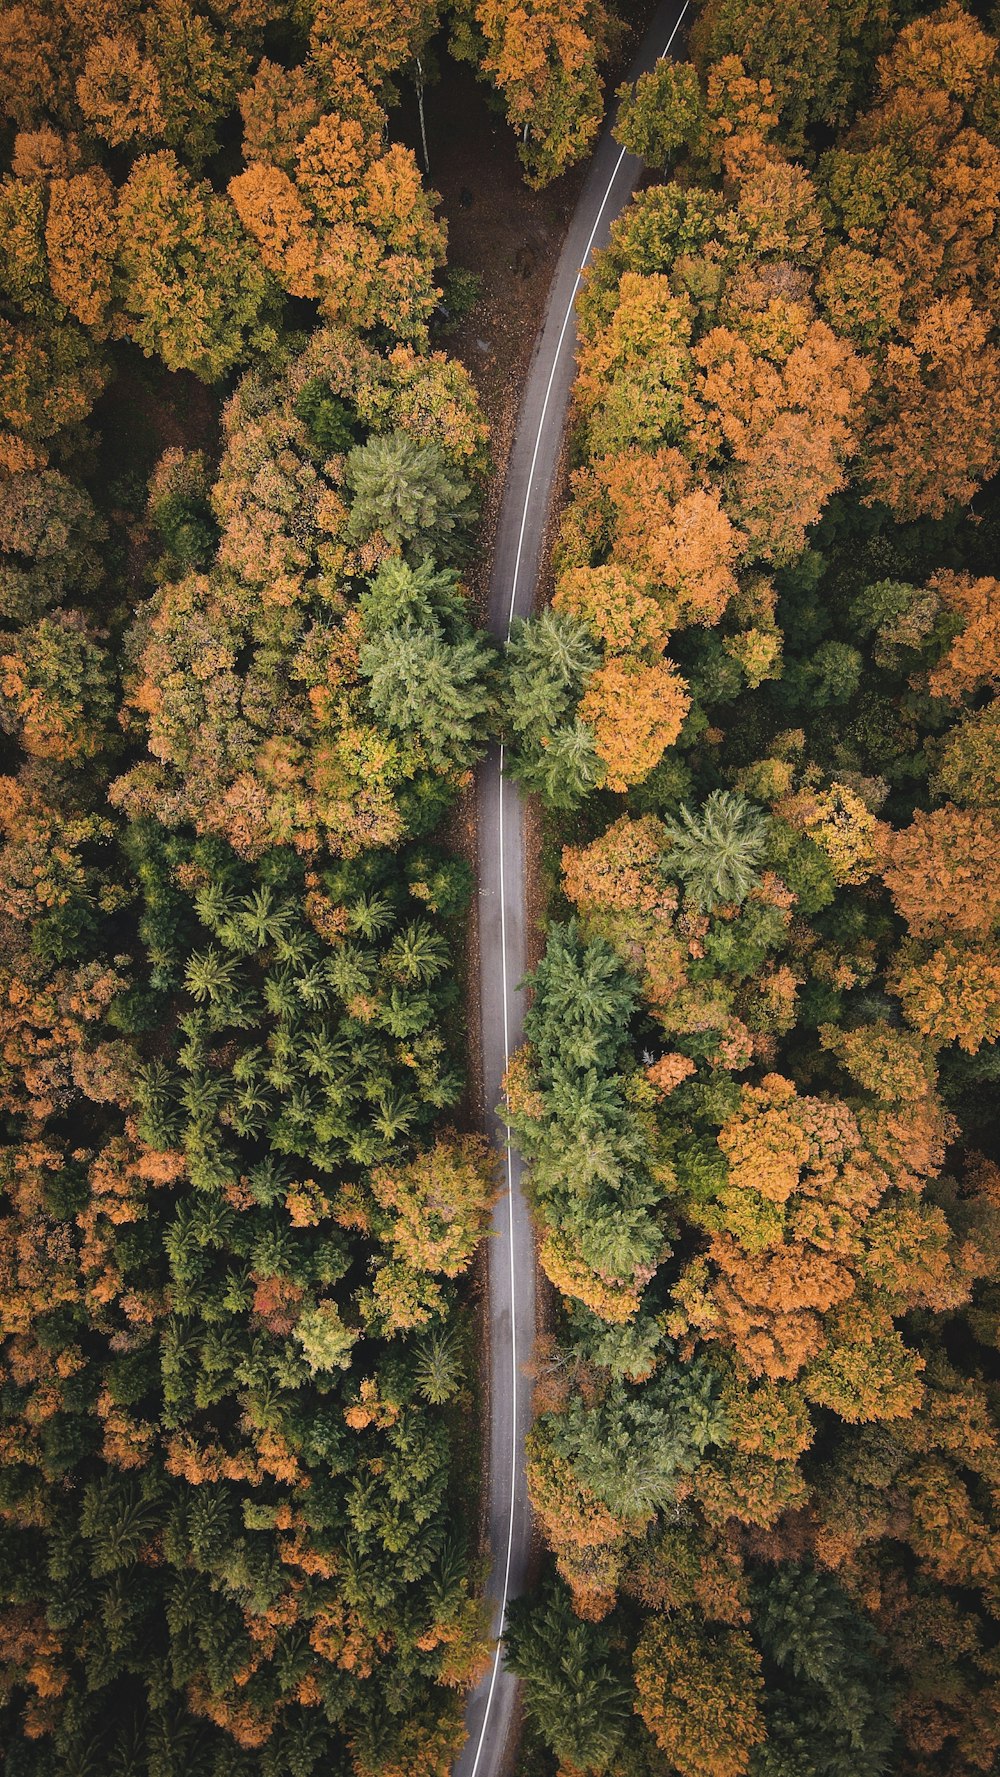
x=510, y=237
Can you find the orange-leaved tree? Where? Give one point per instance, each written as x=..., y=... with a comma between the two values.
x=544, y=58
x=698, y=1693
x=914, y=189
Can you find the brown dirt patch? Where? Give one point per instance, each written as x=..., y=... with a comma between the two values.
x=510, y=237
x=507, y=234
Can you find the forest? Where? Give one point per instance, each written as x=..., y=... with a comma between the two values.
x=244, y=686
x=240, y=685
x=759, y=1091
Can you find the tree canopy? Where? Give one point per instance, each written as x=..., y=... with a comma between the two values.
x=758, y=1084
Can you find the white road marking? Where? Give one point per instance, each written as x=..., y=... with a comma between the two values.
x=567, y=318
x=498, y=1654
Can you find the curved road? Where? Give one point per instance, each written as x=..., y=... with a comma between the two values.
x=527, y=498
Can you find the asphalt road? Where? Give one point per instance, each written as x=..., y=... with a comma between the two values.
x=491, y=1711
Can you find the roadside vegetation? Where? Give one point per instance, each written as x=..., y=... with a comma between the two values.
x=241, y=685
x=758, y=1088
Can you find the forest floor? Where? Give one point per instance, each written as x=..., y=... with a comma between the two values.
x=510, y=237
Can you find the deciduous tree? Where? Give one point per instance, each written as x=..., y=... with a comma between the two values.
x=939, y=874
x=192, y=284
x=661, y=113
x=81, y=238
x=636, y=710
x=55, y=689
x=814, y=56
x=544, y=58
x=698, y=1694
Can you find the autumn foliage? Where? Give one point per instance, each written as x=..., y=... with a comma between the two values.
x=717, y=410
x=235, y=1219
x=241, y=685
x=765, y=1451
